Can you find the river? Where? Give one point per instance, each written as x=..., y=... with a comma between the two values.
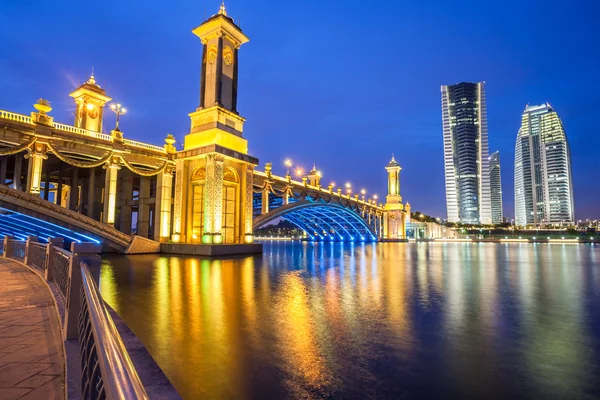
x=369, y=321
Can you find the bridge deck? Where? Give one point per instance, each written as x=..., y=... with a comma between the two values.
x=32, y=360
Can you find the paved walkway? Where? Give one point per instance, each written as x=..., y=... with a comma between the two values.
x=32, y=358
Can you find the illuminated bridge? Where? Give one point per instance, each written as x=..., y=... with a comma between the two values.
x=192, y=200
x=322, y=213
x=61, y=180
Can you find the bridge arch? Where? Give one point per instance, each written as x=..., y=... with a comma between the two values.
x=322, y=221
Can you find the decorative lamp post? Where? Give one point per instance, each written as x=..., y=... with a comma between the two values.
x=348, y=189
x=288, y=165
x=117, y=109
x=363, y=192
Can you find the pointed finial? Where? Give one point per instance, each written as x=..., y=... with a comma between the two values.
x=222, y=9
x=393, y=159
x=92, y=80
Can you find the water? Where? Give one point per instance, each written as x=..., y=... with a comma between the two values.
x=369, y=321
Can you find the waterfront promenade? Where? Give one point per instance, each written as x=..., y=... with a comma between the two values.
x=32, y=360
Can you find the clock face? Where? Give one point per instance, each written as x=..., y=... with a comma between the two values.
x=212, y=54
x=92, y=111
x=228, y=55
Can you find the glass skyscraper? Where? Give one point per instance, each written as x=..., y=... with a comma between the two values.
x=543, y=187
x=495, y=187
x=466, y=155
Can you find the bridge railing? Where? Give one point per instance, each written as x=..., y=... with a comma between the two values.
x=15, y=117
x=83, y=132
x=107, y=369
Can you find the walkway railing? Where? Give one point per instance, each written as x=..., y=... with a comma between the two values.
x=107, y=369
x=14, y=248
x=135, y=143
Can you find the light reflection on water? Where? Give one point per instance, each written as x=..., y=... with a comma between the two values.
x=384, y=320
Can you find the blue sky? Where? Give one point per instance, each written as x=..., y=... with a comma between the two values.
x=339, y=83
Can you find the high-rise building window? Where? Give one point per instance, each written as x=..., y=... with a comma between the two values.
x=466, y=153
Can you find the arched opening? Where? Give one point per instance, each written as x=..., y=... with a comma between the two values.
x=198, y=181
x=230, y=205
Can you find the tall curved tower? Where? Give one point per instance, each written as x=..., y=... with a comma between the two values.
x=466, y=153
x=543, y=185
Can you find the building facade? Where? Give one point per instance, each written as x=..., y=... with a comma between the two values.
x=543, y=185
x=466, y=168
x=495, y=187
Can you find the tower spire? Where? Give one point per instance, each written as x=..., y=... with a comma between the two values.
x=222, y=9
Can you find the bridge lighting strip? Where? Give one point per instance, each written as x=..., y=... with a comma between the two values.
x=18, y=223
x=319, y=214
x=300, y=225
x=316, y=213
x=60, y=228
x=353, y=224
x=11, y=233
x=563, y=240
x=514, y=240
x=37, y=222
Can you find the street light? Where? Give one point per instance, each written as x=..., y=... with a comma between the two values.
x=117, y=109
x=363, y=192
x=348, y=188
x=299, y=172
x=288, y=164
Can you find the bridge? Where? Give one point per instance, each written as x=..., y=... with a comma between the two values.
x=113, y=190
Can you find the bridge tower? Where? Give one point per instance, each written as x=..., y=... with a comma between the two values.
x=90, y=99
x=214, y=173
x=394, y=223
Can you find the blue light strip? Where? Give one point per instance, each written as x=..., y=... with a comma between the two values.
x=301, y=214
x=21, y=221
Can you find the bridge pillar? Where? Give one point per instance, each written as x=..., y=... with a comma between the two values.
x=265, y=201
x=3, y=167
x=36, y=156
x=91, y=199
x=110, y=191
x=18, y=170
x=162, y=213
x=143, y=222
x=74, y=193
x=125, y=197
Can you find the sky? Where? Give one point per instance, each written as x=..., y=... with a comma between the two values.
x=342, y=84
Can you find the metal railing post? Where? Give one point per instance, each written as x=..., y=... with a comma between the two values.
x=87, y=252
x=57, y=241
x=30, y=239
x=5, y=247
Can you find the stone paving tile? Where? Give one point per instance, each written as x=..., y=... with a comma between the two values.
x=31, y=348
x=13, y=393
x=35, y=381
x=51, y=390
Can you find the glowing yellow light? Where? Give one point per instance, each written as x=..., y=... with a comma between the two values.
x=319, y=174
x=113, y=107
x=299, y=172
x=375, y=196
x=348, y=185
x=288, y=163
x=332, y=184
x=363, y=192
x=89, y=106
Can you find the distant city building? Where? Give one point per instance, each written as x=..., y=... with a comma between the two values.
x=495, y=187
x=543, y=186
x=464, y=119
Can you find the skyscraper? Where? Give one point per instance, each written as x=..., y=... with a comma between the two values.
x=495, y=187
x=543, y=187
x=464, y=119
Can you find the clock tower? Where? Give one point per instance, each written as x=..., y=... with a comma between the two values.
x=214, y=172
x=216, y=120
x=90, y=99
